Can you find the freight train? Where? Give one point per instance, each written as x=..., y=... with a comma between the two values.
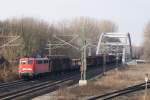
x=32, y=67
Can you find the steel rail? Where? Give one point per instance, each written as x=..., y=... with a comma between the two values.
x=21, y=92
x=120, y=92
x=2, y=85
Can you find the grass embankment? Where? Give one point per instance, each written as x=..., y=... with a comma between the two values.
x=8, y=73
x=114, y=80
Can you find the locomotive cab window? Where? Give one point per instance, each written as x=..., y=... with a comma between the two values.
x=39, y=61
x=45, y=61
x=30, y=62
x=22, y=62
x=26, y=62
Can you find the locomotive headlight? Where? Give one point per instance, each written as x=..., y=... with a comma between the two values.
x=23, y=68
x=29, y=69
x=26, y=69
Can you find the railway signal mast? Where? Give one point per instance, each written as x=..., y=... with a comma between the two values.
x=82, y=49
x=51, y=46
x=83, y=68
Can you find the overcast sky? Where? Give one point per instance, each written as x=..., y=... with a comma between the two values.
x=130, y=15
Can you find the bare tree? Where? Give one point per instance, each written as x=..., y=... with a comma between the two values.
x=92, y=28
x=35, y=34
x=137, y=52
x=147, y=41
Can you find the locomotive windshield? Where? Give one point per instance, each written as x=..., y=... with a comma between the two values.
x=22, y=62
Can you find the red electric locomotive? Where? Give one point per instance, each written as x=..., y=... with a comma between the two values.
x=30, y=67
x=33, y=66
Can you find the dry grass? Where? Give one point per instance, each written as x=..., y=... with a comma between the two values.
x=142, y=97
x=114, y=80
x=124, y=78
x=8, y=74
x=77, y=92
x=64, y=94
x=88, y=90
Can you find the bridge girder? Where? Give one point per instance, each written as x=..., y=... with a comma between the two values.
x=125, y=36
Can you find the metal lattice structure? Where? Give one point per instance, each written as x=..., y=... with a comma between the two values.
x=122, y=46
x=51, y=46
x=82, y=49
x=10, y=39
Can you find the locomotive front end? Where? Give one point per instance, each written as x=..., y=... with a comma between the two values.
x=26, y=67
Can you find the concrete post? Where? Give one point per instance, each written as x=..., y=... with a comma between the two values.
x=123, y=56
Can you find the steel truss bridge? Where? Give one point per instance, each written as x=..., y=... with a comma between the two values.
x=119, y=45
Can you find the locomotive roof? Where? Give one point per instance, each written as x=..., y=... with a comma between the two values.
x=41, y=58
x=57, y=56
x=34, y=59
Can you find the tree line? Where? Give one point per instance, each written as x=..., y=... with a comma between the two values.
x=34, y=35
x=146, y=44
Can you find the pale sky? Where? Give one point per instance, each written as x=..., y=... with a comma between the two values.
x=130, y=15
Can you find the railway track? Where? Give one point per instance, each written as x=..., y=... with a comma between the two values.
x=27, y=91
x=9, y=86
x=6, y=83
x=115, y=94
x=22, y=92
x=2, y=85
x=16, y=84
